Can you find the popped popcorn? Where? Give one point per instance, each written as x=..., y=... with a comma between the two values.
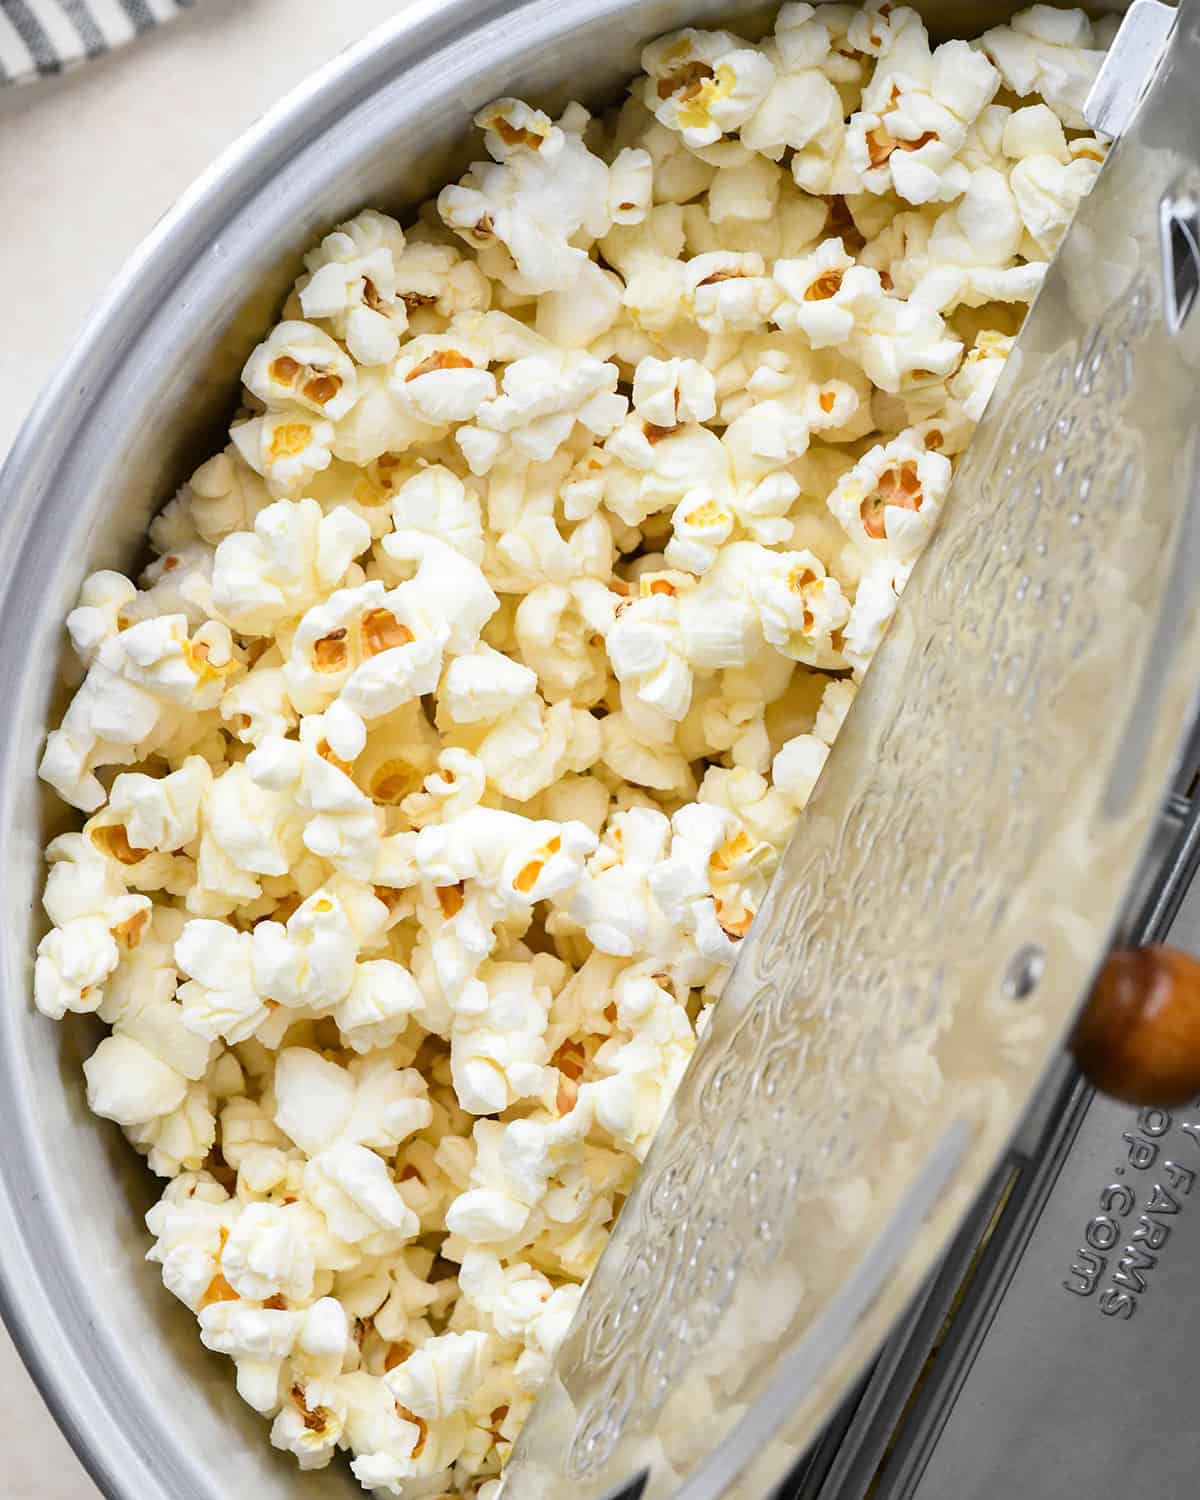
x=438, y=764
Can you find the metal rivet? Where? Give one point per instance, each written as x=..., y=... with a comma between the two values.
x=1025, y=972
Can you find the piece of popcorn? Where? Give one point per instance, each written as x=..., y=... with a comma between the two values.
x=613, y=903
x=155, y=1023
x=653, y=470
x=437, y=277
x=144, y=979
x=161, y=812
x=448, y=591
x=294, y=557
x=383, y=1439
x=351, y=1187
x=437, y=501
x=299, y=365
x=533, y=551
x=318, y=1103
x=682, y=884
x=647, y=257
x=826, y=294
x=890, y=500
x=94, y=919
x=309, y=961
x=380, y=425
x=310, y=1422
x=1047, y=51
x=981, y=369
x=371, y=645
x=266, y=1255
x=639, y=1075
x=376, y=1010
x=455, y=784
x=352, y=286
x=765, y=816
x=668, y=392
x=178, y=582
x=223, y=495
x=248, y=1130
x=484, y=685
x=286, y=445
x=1047, y=194
x=704, y=84
x=648, y=763
x=258, y=1340
x=583, y=313
x=796, y=766
x=188, y=1237
x=191, y=673
x=255, y=1333
x=746, y=193
x=342, y=824
x=545, y=1335
x=910, y=150
x=509, y=1296
x=496, y=1205
x=441, y=1377
x=969, y=255
x=800, y=606
x=700, y=526
x=903, y=345
x=836, y=700
x=729, y=292
x=258, y=705
x=532, y=746
x=679, y=175
x=542, y=398
x=249, y=830
x=219, y=997
x=519, y=860
x=74, y=961
x=802, y=109
x=874, y=605
x=732, y=726
x=497, y=1051
x=180, y=1141
x=440, y=382
x=895, y=37
x=103, y=597
x=630, y=185
x=560, y=631
x=544, y=193
x=1034, y=130
x=648, y=653
x=128, y=1084
x=136, y=683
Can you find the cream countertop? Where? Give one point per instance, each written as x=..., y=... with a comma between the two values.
x=88, y=163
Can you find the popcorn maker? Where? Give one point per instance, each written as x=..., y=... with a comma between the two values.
x=964, y=867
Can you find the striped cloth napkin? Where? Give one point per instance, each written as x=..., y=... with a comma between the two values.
x=40, y=37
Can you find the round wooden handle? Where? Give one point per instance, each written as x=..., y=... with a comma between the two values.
x=1139, y=1036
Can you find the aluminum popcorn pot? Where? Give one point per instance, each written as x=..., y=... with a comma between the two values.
x=1096, y=409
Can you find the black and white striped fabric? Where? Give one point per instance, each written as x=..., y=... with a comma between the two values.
x=41, y=37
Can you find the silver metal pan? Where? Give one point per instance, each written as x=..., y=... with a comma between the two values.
x=962, y=870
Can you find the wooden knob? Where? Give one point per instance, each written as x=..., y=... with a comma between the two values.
x=1139, y=1036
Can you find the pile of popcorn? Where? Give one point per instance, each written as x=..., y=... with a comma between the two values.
x=438, y=765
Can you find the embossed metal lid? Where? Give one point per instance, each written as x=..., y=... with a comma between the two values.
x=952, y=888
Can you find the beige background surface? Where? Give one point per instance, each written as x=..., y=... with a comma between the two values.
x=88, y=163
